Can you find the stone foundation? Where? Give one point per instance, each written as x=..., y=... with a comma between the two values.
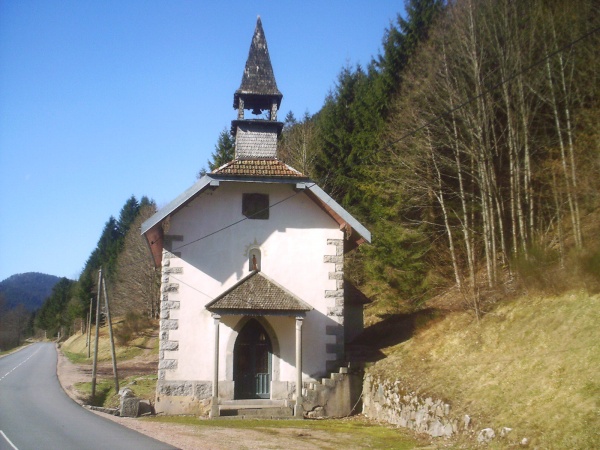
x=183, y=397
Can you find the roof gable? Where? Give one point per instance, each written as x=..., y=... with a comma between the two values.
x=355, y=232
x=257, y=294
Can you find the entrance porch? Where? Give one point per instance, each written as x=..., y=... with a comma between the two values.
x=255, y=298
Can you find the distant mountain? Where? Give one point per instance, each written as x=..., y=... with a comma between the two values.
x=30, y=289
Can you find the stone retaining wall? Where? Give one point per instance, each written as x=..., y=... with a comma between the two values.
x=392, y=402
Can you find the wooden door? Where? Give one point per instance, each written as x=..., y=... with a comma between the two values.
x=252, y=362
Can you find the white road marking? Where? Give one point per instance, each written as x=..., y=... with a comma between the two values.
x=14, y=368
x=8, y=440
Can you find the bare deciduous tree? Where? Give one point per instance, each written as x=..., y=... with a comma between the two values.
x=135, y=286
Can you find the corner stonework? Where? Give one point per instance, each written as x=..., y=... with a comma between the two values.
x=336, y=310
x=167, y=322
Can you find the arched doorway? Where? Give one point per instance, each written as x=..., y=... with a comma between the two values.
x=252, y=362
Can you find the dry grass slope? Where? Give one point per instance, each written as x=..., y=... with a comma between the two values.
x=530, y=364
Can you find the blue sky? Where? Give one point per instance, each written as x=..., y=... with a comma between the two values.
x=101, y=100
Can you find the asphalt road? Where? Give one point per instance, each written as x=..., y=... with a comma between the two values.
x=35, y=413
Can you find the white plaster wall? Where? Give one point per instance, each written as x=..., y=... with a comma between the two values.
x=293, y=242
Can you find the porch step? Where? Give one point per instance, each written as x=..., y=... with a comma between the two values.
x=252, y=402
x=240, y=409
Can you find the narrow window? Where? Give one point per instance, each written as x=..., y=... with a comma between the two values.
x=255, y=206
x=254, y=259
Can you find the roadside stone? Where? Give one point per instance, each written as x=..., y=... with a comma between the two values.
x=467, y=421
x=130, y=406
x=389, y=401
x=110, y=411
x=486, y=435
x=436, y=429
x=125, y=392
x=316, y=413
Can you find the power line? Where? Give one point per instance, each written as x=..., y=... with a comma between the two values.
x=222, y=228
x=190, y=286
x=241, y=220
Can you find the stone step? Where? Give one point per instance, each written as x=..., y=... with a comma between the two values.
x=256, y=408
x=253, y=402
x=331, y=381
x=337, y=376
x=328, y=382
x=265, y=412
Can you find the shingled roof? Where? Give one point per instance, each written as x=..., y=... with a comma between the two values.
x=257, y=294
x=258, y=168
x=258, y=78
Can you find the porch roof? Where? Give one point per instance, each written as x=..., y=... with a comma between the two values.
x=258, y=295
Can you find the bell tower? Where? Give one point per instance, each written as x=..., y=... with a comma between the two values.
x=256, y=137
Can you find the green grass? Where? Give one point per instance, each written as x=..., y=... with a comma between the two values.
x=106, y=396
x=351, y=433
x=76, y=358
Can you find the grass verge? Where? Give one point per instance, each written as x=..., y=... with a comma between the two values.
x=351, y=433
x=106, y=396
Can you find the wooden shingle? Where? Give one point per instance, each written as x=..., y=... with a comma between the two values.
x=258, y=167
x=257, y=294
x=258, y=78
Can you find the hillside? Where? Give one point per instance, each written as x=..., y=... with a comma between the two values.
x=29, y=289
x=530, y=364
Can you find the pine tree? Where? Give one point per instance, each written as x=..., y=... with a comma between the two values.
x=127, y=215
x=350, y=136
x=109, y=247
x=224, y=152
x=346, y=135
x=53, y=313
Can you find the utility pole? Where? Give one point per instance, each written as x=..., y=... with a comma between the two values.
x=95, y=364
x=112, y=341
x=89, y=330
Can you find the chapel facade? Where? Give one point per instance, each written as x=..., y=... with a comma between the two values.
x=254, y=305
